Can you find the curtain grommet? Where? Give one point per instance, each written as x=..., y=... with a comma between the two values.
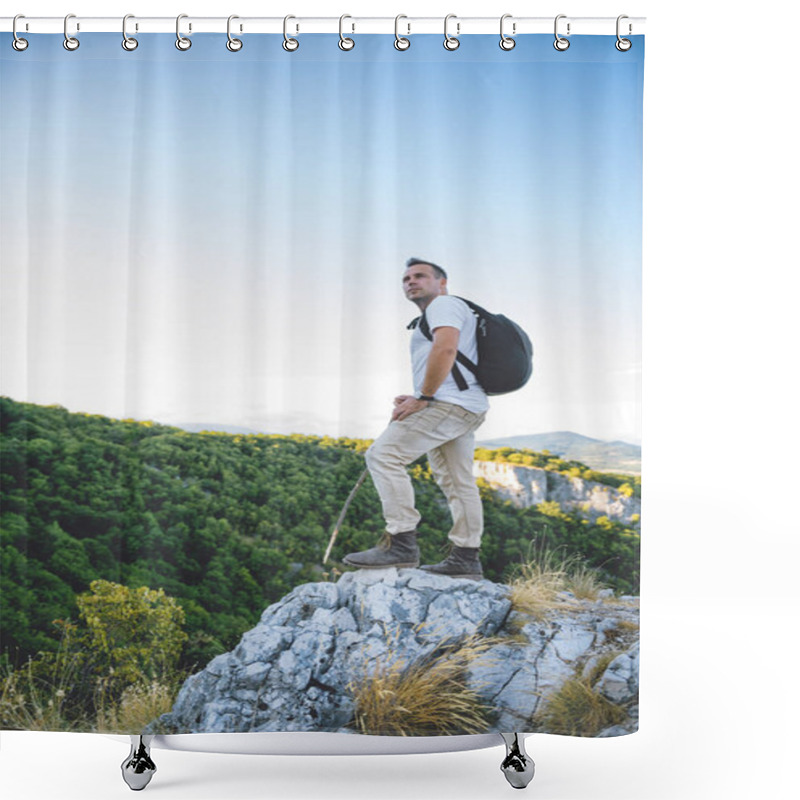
x=70, y=42
x=233, y=44
x=181, y=42
x=561, y=44
x=622, y=44
x=289, y=44
x=128, y=42
x=451, y=42
x=18, y=43
x=507, y=42
x=401, y=42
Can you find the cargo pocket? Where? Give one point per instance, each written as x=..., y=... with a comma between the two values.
x=429, y=419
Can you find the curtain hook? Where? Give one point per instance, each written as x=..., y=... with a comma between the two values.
x=18, y=43
x=128, y=42
x=622, y=44
x=70, y=42
x=561, y=43
x=181, y=42
x=400, y=42
x=289, y=44
x=451, y=42
x=345, y=43
x=506, y=42
x=233, y=44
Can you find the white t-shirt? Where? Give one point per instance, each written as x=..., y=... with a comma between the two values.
x=454, y=313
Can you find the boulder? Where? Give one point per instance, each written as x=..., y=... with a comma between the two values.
x=295, y=670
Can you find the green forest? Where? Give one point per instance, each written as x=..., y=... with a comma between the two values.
x=224, y=524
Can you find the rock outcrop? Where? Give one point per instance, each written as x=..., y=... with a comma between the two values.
x=529, y=486
x=294, y=670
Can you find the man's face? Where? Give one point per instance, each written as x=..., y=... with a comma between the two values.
x=421, y=284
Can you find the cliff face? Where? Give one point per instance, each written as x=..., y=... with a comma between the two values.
x=295, y=670
x=528, y=486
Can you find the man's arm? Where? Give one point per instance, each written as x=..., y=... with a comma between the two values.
x=440, y=361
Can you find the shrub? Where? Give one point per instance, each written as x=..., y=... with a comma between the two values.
x=134, y=634
x=111, y=671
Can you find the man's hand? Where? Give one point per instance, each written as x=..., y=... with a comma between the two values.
x=405, y=405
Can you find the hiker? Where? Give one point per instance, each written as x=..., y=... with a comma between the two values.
x=440, y=419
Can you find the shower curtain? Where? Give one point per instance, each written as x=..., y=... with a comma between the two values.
x=205, y=328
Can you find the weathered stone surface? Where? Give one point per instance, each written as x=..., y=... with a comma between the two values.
x=294, y=670
x=620, y=681
x=528, y=486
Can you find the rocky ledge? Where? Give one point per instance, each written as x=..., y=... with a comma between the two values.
x=292, y=671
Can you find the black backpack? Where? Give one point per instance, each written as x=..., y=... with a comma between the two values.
x=505, y=353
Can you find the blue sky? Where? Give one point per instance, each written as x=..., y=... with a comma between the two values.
x=219, y=237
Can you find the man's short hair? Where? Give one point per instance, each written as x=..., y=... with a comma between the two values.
x=437, y=270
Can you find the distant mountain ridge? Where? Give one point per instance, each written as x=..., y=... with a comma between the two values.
x=616, y=456
x=600, y=455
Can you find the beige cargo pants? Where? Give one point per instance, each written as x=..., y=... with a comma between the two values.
x=446, y=432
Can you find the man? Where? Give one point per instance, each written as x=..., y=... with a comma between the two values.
x=439, y=419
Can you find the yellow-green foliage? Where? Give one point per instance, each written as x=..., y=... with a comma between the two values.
x=135, y=632
x=427, y=697
x=578, y=710
x=135, y=638
x=110, y=672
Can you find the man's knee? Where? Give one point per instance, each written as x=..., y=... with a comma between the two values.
x=376, y=456
x=380, y=455
x=370, y=456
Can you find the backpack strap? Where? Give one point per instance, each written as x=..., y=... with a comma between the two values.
x=425, y=330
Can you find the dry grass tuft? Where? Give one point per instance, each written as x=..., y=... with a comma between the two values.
x=578, y=710
x=428, y=697
x=30, y=704
x=623, y=634
x=537, y=586
x=584, y=582
x=600, y=666
x=138, y=706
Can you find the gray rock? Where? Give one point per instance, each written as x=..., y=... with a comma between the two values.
x=297, y=668
x=620, y=682
x=528, y=486
x=614, y=730
x=571, y=641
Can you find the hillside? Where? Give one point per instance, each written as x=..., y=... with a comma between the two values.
x=224, y=523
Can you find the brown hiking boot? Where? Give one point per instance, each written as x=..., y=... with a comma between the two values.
x=393, y=550
x=461, y=562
